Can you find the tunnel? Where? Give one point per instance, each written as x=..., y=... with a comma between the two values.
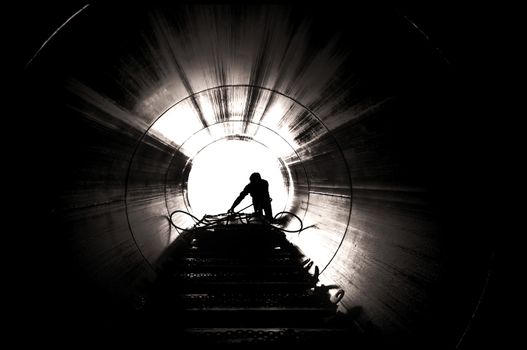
x=353, y=113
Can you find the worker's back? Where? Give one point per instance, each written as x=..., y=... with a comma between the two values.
x=258, y=189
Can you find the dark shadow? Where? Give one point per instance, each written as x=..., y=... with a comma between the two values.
x=235, y=283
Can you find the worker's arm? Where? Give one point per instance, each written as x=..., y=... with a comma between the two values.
x=238, y=200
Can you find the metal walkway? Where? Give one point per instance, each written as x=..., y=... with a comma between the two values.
x=242, y=284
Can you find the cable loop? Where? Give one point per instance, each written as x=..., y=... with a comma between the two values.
x=223, y=219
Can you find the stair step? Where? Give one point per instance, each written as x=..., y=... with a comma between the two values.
x=237, y=286
x=246, y=335
x=244, y=276
x=234, y=265
x=254, y=300
x=278, y=261
x=256, y=317
x=238, y=254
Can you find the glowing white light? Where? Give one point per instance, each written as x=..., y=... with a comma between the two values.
x=206, y=108
x=276, y=142
x=178, y=123
x=274, y=114
x=274, y=120
x=220, y=172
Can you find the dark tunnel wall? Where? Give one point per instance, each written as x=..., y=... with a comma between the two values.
x=376, y=157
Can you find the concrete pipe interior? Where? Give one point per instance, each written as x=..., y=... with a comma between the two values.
x=354, y=108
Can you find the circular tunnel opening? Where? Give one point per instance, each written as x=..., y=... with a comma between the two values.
x=300, y=151
x=220, y=170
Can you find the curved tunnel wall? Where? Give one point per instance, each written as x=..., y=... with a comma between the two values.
x=370, y=103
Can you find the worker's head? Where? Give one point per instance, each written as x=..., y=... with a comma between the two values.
x=255, y=177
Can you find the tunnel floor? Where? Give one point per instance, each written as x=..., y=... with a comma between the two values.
x=242, y=284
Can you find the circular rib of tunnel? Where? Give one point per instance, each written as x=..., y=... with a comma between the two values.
x=306, y=153
x=409, y=254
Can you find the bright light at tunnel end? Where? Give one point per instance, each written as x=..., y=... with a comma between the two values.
x=221, y=170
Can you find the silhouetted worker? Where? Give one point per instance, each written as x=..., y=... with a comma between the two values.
x=259, y=190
